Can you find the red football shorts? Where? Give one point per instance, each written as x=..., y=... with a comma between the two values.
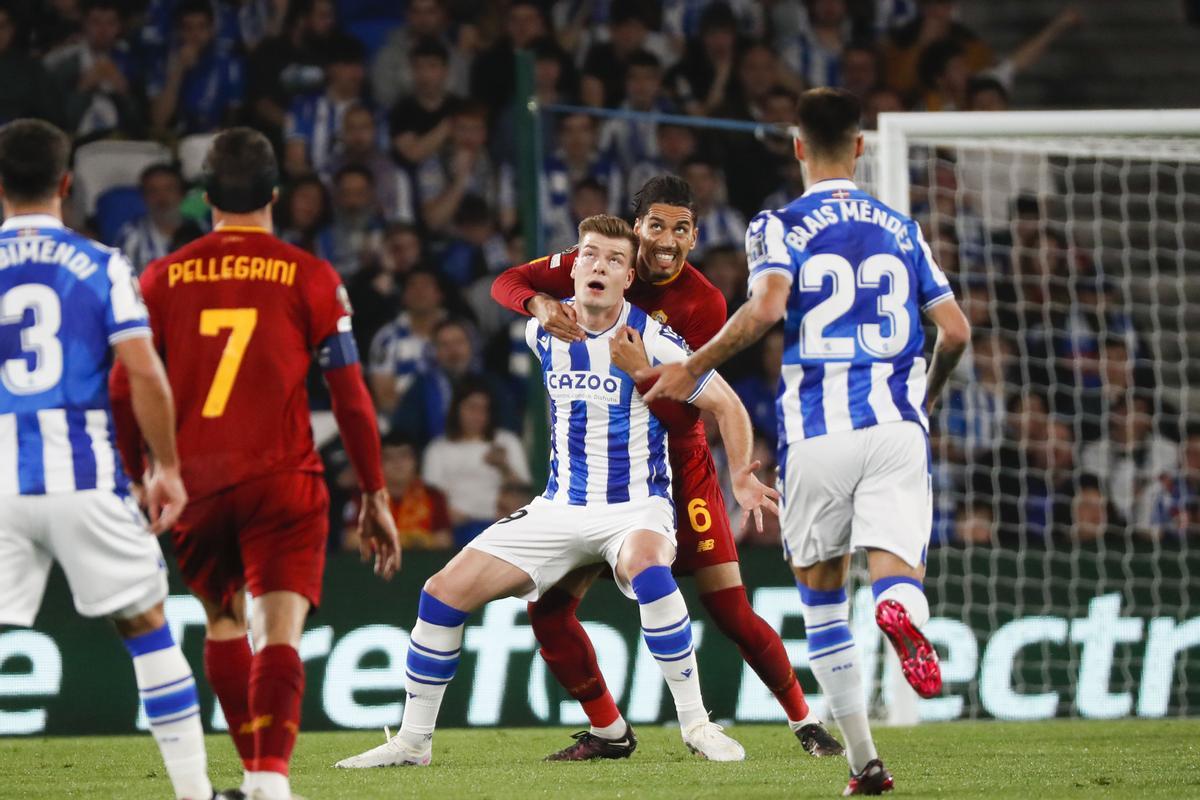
x=703, y=536
x=267, y=534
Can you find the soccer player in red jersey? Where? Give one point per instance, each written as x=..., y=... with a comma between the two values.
x=238, y=315
x=675, y=293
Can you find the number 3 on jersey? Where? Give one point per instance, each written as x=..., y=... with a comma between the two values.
x=891, y=306
x=240, y=323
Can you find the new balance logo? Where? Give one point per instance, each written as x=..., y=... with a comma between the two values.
x=704, y=545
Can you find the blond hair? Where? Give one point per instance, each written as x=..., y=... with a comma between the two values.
x=608, y=226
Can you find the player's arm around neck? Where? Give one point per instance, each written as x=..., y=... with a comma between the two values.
x=154, y=408
x=737, y=435
x=954, y=332
x=749, y=323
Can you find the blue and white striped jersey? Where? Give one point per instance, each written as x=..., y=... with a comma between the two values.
x=64, y=299
x=605, y=445
x=861, y=274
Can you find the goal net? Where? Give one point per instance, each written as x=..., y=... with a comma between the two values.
x=1066, y=451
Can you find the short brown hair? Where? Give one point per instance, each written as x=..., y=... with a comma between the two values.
x=609, y=226
x=829, y=121
x=33, y=159
x=240, y=171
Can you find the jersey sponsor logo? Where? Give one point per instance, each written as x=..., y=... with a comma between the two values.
x=231, y=268
x=659, y=316
x=587, y=386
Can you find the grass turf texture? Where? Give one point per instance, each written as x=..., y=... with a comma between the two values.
x=1132, y=758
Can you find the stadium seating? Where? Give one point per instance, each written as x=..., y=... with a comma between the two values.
x=114, y=208
x=191, y=155
x=103, y=165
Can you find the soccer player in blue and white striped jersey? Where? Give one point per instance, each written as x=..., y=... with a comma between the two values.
x=850, y=277
x=66, y=303
x=608, y=499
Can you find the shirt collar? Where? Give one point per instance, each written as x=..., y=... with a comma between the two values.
x=31, y=221
x=830, y=185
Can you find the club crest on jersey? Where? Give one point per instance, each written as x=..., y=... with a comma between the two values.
x=659, y=316
x=586, y=386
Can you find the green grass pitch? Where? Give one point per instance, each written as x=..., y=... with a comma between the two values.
x=963, y=759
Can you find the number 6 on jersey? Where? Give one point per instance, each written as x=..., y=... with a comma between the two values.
x=240, y=323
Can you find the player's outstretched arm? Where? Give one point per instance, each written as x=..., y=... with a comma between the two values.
x=360, y=435
x=954, y=332
x=758, y=315
x=535, y=289
x=154, y=410
x=738, y=435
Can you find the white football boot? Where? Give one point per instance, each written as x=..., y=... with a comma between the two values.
x=707, y=739
x=392, y=753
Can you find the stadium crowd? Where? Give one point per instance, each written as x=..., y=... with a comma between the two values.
x=395, y=129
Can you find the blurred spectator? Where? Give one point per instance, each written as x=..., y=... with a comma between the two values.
x=26, y=90
x=686, y=18
x=1025, y=487
x=758, y=389
x=198, y=86
x=238, y=24
x=725, y=268
x=357, y=228
x=422, y=413
x=757, y=74
x=53, y=23
x=375, y=289
x=464, y=167
x=150, y=236
x=493, y=74
x=576, y=159
x=717, y=222
x=304, y=214
x=94, y=77
x=473, y=460
x=935, y=23
x=403, y=347
x=861, y=68
x=791, y=187
x=314, y=119
x=942, y=75
x=761, y=160
x=554, y=82
x=973, y=408
x=603, y=81
x=1171, y=509
x=420, y=511
x=393, y=72
x=1091, y=517
x=359, y=146
x=420, y=123
x=474, y=247
x=815, y=51
x=1133, y=458
x=514, y=495
x=701, y=81
x=880, y=100
x=291, y=63
x=632, y=141
x=985, y=93
x=675, y=144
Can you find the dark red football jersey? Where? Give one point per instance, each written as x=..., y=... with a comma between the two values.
x=688, y=303
x=237, y=316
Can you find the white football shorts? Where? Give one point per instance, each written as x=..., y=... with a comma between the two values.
x=546, y=540
x=113, y=563
x=866, y=488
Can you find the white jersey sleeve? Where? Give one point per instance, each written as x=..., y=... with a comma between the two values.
x=766, y=249
x=665, y=346
x=125, y=313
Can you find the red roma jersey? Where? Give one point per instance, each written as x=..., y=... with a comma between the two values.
x=237, y=317
x=688, y=303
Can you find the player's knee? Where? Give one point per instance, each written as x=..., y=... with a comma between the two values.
x=444, y=588
x=141, y=623
x=906, y=591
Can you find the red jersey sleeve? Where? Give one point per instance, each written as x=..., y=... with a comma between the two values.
x=705, y=317
x=547, y=275
x=328, y=303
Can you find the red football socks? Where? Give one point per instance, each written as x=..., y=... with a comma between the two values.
x=276, y=689
x=227, y=665
x=760, y=646
x=568, y=653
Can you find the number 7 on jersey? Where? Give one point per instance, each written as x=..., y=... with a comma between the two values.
x=240, y=323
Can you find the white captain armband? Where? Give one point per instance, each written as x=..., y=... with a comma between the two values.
x=338, y=350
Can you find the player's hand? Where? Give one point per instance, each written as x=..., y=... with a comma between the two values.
x=753, y=495
x=165, y=498
x=675, y=382
x=627, y=351
x=557, y=318
x=377, y=534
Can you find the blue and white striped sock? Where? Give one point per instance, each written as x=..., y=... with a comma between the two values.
x=168, y=692
x=833, y=659
x=433, y=652
x=667, y=629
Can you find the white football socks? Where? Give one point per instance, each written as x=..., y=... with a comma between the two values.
x=433, y=652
